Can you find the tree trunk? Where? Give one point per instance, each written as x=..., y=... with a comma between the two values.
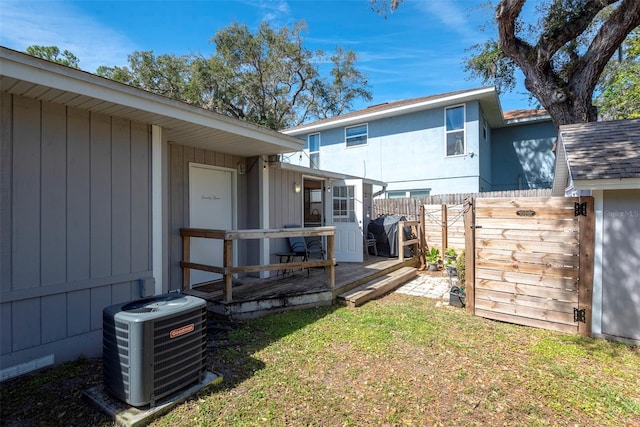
x=566, y=93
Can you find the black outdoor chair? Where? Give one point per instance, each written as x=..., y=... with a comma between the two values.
x=307, y=248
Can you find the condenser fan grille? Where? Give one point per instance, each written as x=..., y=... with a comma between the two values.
x=154, y=347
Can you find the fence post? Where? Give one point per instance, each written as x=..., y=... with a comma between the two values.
x=423, y=239
x=470, y=252
x=445, y=229
x=585, y=282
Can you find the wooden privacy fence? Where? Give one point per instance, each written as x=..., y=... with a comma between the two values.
x=443, y=226
x=442, y=215
x=530, y=261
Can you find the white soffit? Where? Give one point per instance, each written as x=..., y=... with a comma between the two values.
x=32, y=77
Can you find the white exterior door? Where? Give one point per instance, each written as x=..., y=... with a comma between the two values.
x=347, y=211
x=211, y=205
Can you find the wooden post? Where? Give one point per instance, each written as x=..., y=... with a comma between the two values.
x=331, y=271
x=227, y=263
x=401, y=241
x=470, y=252
x=445, y=229
x=186, y=257
x=423, y=239
x=585, y=281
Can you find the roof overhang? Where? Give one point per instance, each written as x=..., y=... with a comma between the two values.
x=22, y=74
x=487, y=97
x=324, y=174
x=561, y=172
x=607, y=184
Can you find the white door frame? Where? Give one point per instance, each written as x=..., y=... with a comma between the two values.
x=324, y=198
x=349, y=243
x=234, y=197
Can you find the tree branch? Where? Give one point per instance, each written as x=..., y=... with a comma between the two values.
x=622, y=21
x=557, y=34
x=506, y=14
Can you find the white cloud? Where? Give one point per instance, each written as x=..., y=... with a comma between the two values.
x=459, y=17
x=54, y=23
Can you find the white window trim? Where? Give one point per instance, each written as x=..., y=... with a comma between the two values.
x=464, y=130
x=311, y=165
x=366, y=125
x=350, y=196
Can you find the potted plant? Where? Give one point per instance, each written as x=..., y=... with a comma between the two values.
x=457, y=294
x=450, y=255
x=433, y=259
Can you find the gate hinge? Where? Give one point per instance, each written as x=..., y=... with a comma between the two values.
x=580, y=209
x=579, y=315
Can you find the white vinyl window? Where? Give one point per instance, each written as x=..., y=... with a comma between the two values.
x=344, y=203
x=314, y=151
x=356, y=135
x=454, y=131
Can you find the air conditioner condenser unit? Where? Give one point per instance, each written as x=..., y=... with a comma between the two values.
x=154, y=347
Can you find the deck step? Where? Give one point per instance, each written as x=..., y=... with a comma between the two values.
x=375, y=288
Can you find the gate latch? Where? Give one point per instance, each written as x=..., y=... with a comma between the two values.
x=580, y=209
x=579, y=315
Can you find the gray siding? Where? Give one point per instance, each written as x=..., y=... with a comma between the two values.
x=621, y=264
x=285, y=205
x=75, y=226
x=179, y=158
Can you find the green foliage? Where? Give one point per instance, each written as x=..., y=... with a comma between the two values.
x=460, y=267
x=52, y=53
x=267, y=77
x=619, y=96
x=491, y=65
x=433, y=256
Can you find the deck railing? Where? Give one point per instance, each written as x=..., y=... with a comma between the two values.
x=416, y=240
x=227, y=270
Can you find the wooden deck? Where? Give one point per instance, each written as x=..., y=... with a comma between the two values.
x=253, y=297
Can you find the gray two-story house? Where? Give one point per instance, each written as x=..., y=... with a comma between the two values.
x=457, y=142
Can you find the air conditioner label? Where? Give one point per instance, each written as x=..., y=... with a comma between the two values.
x=182, y=330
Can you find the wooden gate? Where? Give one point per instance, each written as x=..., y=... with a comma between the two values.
x=531, y=261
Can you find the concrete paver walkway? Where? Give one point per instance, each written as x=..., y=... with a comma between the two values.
x=429, y=286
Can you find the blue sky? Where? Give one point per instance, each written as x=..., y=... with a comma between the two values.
x=416, y=51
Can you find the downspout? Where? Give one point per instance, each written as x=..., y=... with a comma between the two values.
x=377, y=193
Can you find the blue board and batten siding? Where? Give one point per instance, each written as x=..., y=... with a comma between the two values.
x=75, y=226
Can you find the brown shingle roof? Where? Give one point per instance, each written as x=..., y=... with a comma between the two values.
x=603, y=150
x=524, y=114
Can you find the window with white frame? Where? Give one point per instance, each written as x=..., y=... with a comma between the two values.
x=356, y=135
x=405, y=194
x=344, y=203
x=454, y=130
x=314, y=151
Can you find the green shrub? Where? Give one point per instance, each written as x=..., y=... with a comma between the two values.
x=460, y=268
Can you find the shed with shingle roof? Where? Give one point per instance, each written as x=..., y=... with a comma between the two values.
x=602, y=159
x=597, y=156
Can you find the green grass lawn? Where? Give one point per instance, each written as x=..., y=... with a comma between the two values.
x=400, y=360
